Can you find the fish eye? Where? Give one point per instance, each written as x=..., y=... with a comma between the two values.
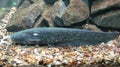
x=35, y=34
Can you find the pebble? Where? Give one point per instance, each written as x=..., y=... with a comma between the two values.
x=119, y=59
x=18, y=61
x=1, y=36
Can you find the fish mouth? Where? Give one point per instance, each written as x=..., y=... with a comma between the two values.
x=16, y=40
x=32, y=41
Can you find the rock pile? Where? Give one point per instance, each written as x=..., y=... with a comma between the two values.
x=66, y=13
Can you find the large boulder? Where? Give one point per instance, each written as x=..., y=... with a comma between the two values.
x=99, y=5
x=106, y=13
x=23, y=4
x=24, y=18
x=77, y=11
x=51, y=12
x=109, y=19
x=66, y=13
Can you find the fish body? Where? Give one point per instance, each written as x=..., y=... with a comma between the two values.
x=62, y=36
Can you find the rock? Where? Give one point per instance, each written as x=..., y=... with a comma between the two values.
x=46, y=15
x=24, y=18
x=109, y=19
x=99, y=5
x=105, y=13
x=77, y=11
x=91, y=27
x=51, y=12
x=23, y=4
x=58, y=9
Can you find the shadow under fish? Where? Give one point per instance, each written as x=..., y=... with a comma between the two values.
x=62, y=37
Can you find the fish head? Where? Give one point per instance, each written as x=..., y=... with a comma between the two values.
x=26, y=37
x=19, y=37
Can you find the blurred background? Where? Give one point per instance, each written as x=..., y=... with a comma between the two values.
x=5, y=6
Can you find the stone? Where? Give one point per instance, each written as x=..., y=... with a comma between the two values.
x=23, y=4
x=76, y=11
x=24, y=18
x=50, y=13
x=91, y=27
x=109, y=19
x=47, y=15
x=58, y=9
x=26, y=3
x=99, y=5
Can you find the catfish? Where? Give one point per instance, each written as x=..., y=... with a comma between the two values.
x=62, y=36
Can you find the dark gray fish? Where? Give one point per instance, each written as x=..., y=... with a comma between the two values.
x=62, y=36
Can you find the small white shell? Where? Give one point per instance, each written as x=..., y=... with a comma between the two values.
x=18, y=61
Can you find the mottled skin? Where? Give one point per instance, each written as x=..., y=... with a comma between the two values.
x=62, y=36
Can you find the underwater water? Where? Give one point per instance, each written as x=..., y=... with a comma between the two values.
x=9, y=3
x=47, y=55
x=5, y=6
